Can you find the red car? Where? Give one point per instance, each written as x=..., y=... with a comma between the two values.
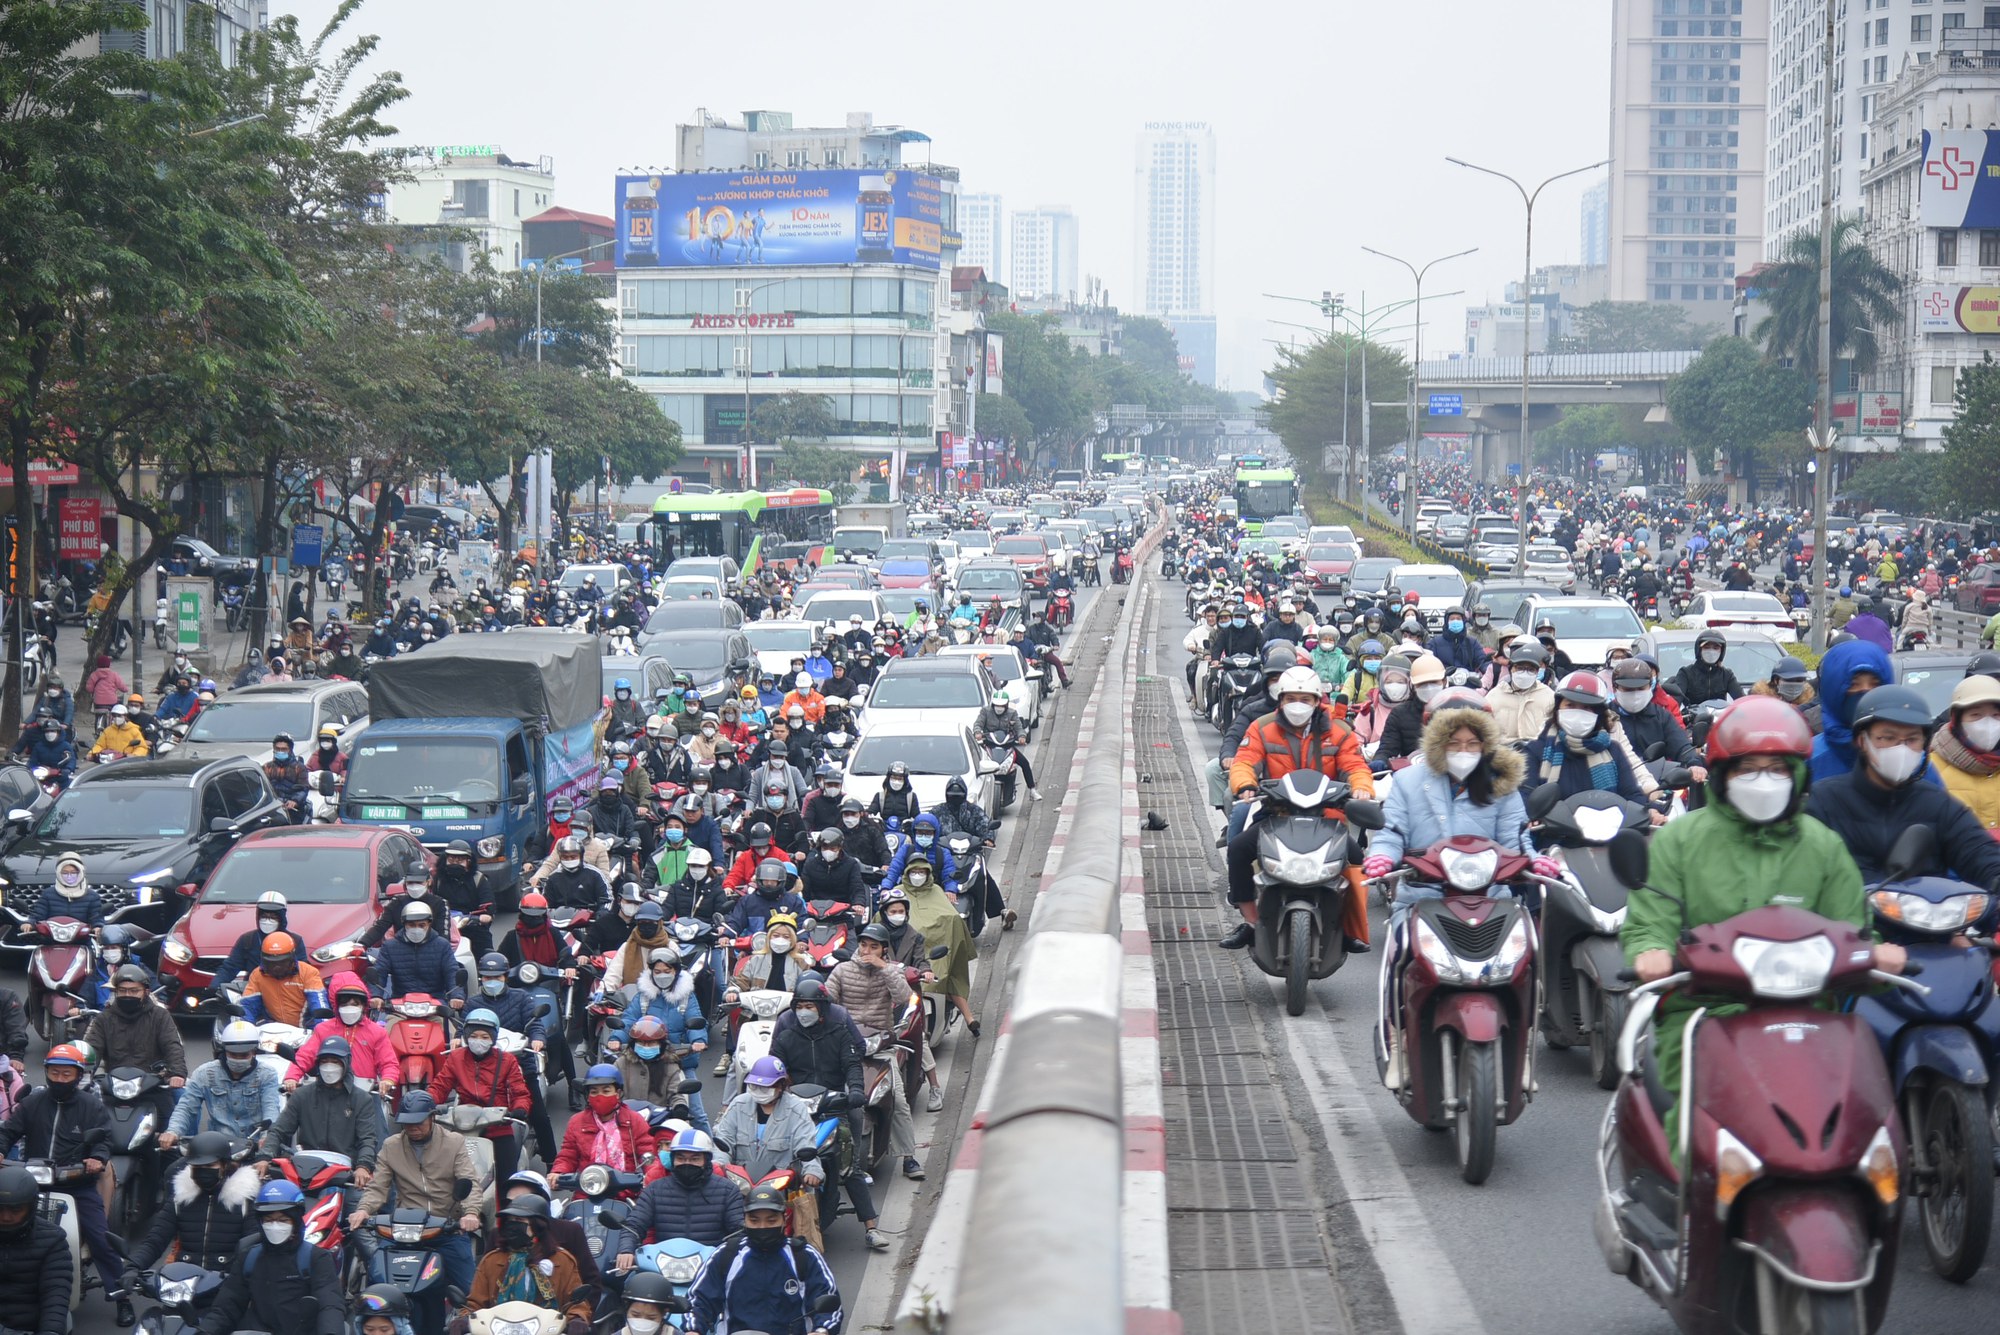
x=335, y=879
x=1978, y=590
x=1030, y=554
x=905, y=573
x=1331, y=563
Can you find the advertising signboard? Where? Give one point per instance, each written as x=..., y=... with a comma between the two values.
x=714, y=219
x=1951, y=309
x=79, y=529
x=44, y=473
x=1959, y=185
x=1880, y=413
x=189, y=600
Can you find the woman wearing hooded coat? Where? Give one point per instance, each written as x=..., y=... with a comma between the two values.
x=1849, y=671
x=933, y=914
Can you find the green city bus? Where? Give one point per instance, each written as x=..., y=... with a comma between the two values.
x=748, y=527
x=1265, y=493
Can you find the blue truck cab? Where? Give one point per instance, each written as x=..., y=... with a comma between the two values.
x=473, y=738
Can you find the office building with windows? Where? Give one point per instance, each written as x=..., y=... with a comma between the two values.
x=1686, y=198
x=1174, y=221
x=1594, y=226
x=174, y=27
x=1043, y=246
x=981, y=222
x=477, y=190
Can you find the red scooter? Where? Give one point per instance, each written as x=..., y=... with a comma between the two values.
x=1463, y=1009
x=1061, y=609
x=59, y=974
x=828, y=927
x=1789, y=1213
x=418, y=1037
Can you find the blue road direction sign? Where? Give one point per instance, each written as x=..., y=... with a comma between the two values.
x=1447, y=405
x=1513, y=470
x=307, y=542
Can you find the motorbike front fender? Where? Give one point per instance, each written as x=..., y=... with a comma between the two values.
x=1600, y=959
x=1474, y=1016
x=1814, y=1232
x=1947, y=1049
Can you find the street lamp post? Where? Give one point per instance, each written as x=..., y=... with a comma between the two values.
x=1416, y=371
x=545, y=461
x=1528, y=198
x=744, y=297
x=1334, y=307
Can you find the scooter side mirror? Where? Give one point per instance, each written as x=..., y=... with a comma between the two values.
x=688, y=1087
x=939, y=952
x=1628, y=857
x=545, y=1008
x=675, y=1305
x=1915, y=847
x=1542, y=800
x=1364, y=814
x=1657, y=751
x=461, y=1188
x=826, y=1302
x=612, y=1214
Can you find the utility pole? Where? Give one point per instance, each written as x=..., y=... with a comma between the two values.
x=1416, y=371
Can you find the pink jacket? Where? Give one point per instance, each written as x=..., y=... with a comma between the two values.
x=370, y=1043
x=106, y=687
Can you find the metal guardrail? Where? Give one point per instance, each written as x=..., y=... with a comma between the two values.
x=1043, y=1244
x=1557, y=366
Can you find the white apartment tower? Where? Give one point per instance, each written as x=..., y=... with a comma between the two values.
x=979, y=222
x=1044, y=250
x=1687, y=185
x=1174, y=218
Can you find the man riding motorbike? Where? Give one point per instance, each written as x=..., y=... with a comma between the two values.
x=207, y=1211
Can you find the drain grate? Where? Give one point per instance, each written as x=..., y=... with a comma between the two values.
x=1237, y=1185
x=1191, y=964
x=1201, y=994
x=1236, y=1240
x=1213, y=1013
x=1184, y=1047
x=1169, y=922
x=1226, y=1122
x=1227, y=1300
x=1219, y=1068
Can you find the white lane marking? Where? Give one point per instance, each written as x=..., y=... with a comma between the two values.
x=1144, y=1229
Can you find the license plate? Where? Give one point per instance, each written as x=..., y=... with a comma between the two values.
x=393, y=812
x=444, y=813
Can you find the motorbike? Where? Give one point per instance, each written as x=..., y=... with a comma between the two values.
x=160, y=618
x=599, y=1201
x=1239, y=678
x=418, y=1037
x=1061, y=609
x=1769, y=1226
x=61, y=965
x=678, y=1261
x=408, y=1242
x=323, y=1177
x=137, y=1166
x=473, y=1121
x=1301, y=878
x=756, y=1013
x=181, y=1292
x=978, y=892
x=1462, y=1007
x=1942, y=1047
x=1584, y=991
x=55, y=1181
x=519, y=1318
x=232, y=607
x=38, y=657
x=827, y=929
x=323, y=797
x=898, y=1047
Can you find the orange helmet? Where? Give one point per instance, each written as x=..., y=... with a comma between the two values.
x=279, y=944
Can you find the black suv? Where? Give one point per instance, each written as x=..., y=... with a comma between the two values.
x=143, y=828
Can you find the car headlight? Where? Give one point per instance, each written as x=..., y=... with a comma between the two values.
x=489, y=847
x=1785, y=969
x=153, y=877
x=177, y=951
x=337, y=950
x=1914, y=911
x=1469, y=871
x=406, y=1233
x=594, y=1180
x=124, y=1090
x=1295, y=868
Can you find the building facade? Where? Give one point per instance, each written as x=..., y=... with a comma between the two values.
x=173, y=27
x=1924, y=222
x=1686, y=192
x=1042, y=244
x=1174, y=220
x=478, y=190
x=1594, y=226
x=981, y=221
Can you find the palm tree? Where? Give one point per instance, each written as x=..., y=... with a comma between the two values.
x=1864, y=299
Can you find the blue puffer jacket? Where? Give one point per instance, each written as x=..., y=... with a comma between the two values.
x=429, y=967
x=515, y=1010
x=940, y=856
x=89, y=907
x=666, y=1209
x=677, y=1010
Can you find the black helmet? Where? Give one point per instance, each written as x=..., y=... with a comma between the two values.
x=386, y=1300
x=562, y=808
x=831, y=837
x=458, y=848
x=649, y=1286
x=1525, y=650
x=1892, y=704
x=1279, y=655
x=17, y=1188
x=493, y=962
x=527, y=1206
x=877, y=933
x=1711, y=636
x=1985, y=663
x=208, y=1147
x=810, y=989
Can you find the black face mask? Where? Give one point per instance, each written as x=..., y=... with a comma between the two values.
x=691, y=1175
x=63, y=1091
x=130, y=1006
x=765, y=1239
x=514, y=1235
x=206, y=1176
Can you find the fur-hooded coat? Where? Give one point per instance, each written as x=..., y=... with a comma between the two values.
x=1425, y=805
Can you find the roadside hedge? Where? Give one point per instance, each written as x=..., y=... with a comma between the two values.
x=1382, y=540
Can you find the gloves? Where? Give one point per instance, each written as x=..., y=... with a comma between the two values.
x=1548, y=867
x=1377, y=866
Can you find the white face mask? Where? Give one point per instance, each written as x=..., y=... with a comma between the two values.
x=642, y=1325
x=1760, y=798
x=267, y=925
x=1983, y=733
x=781, y=945
x=416, y=932
x=1711, y=656
x=350, y=1015
x=331, y=1072
x=1894, y=763
x=920, y=879
x=1635, y=700
x=571, y=864
x=851, y=822
x=480, y=1046
x=1298, y=713
x=277, y=1232
x=1461, y=763
x=829, y=854
x=1395, y=690
x=1523, y=681
x=1428, y=691
x=764, y=1094
x=1577, y=722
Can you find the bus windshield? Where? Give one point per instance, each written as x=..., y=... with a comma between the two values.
x=1267, y=496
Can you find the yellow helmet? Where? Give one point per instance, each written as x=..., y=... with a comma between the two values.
x=782, y=918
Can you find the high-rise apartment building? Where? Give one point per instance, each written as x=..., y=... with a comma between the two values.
x=1594, y=226
x=173, y=27
x=1687, y=184
x=980, y=223
x=1174, y=221
x=1043, y=244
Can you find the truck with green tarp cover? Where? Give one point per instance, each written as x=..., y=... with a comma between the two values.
x=473, y=737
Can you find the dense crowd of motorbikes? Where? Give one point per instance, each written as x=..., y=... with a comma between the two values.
x=725, y=910
x=1762, y=911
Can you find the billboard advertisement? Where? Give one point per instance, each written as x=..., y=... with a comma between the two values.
x=1959, y=185
x=1951, y=309
x=700, y=220
x=1874, y=413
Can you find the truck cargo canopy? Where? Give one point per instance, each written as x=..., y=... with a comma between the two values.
x=527, y=675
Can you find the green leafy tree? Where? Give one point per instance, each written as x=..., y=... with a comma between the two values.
x=1000, y=418
x=1052, y=381
x=1730, y=401
x=1591, y=429
x=809, y=464
x=1864, y=300
x=1637, y=326
x=1319, y=386
x=1150, y=345
x=1914, y=483
x=1969, y=469
x=793, y=416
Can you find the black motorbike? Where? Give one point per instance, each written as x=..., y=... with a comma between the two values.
x=138, y=1165
x=180, y=1292
x=1302, y=886
x=1003, y=753
x=979, y=896
x=1238, y=679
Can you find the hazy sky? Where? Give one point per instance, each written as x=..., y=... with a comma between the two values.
x=1333, y=117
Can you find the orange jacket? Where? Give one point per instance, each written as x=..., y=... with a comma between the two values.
x=1271, y=749
x=285, y=999
x=814, y=705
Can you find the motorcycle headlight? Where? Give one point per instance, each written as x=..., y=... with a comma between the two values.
x=41, y=1173
x=530, y=974
x=1785, y=969
x=1295, y=868
x=1512, y=951
x=124, y=1090
x=594, y=1180
x=488, y=847
x=407, y=1234
x=514, y=1327
x=176, y=1292
x=1598, y=825
x=1923, y=915
x=1470, y=871
x=1437, y=954
x=679, y=1269
x=176, y=951
x=417, y=1010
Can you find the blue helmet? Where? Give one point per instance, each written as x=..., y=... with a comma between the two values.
x=691, y=1141
x=603, y=1074
x=622, y=684
x=274, y=1197
x=482, y=1019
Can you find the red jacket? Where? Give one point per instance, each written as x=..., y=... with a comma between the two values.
x=581, y=1132
x=744, y=870
x=492, y=1081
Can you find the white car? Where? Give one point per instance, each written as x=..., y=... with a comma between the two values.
x=833, y=606
x=973, y=543
x=777, y=642
x=1723, y=607
x=1587, y=629
x=936, y=691
x=936, y=753
x=1019, y=683
x=1321, y=535
x=1438, y=588
x=1552, y=564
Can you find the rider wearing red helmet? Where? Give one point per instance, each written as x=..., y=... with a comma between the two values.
x=1583, y=746
x=1749, y=847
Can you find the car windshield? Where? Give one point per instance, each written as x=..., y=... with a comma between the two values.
x=309, y=875
x=1750, y=660
x=988, y=578
x=839, y=607
x=973, y=540
x=635, y=674
x=1330, y=552
x=1501, y=537
x=685, y=616
x=904, y=568
x=1283, y=528
x=901, y=603
x=1602, y=621
x=864, y=540
x=701, y=659
x=908, y=549
x=1745, y=602
x=1003, y=667
x=927, y=690
x=252, y=720
x=1443, y=584
x=1934, y=684
x=1547, y=556
x=1021, y=545
x=416, y=771
x=120, y=811
x=687, y=589
x=1372, y=574
x=943, y=754
x=775, y=638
